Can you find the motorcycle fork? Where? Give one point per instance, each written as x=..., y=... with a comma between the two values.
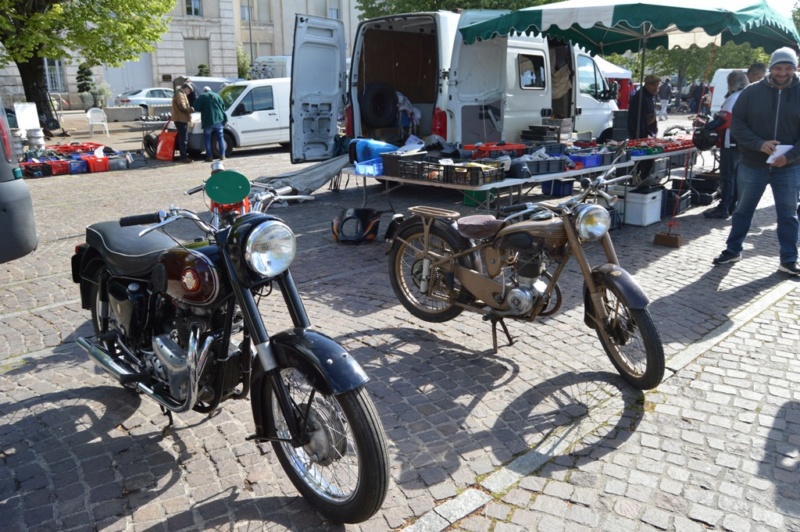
x=260, y=338
x=583, y=263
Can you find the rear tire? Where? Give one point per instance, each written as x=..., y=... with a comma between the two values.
x=406, y=267
x=631, y=340
x=150, y=145
x=343, y=471
x=379, y=105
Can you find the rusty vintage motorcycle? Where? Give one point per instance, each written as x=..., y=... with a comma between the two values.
x=441, y=264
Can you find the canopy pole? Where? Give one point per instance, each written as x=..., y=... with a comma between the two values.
x=642, y=48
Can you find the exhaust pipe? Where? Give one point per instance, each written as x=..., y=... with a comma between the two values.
x=124, y=375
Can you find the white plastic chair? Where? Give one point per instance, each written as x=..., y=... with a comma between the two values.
x=97, y=117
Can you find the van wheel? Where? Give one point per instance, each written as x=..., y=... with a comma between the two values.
x=605, y=136
x=379, y=105
x=228, y=145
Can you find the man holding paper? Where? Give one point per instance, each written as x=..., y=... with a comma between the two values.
x=766, y=125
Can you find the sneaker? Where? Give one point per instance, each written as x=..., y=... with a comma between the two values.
x=209, y=159
x=789, y=267
x=717, y=213
x=186, y=161
x=726, y=257
x=222, y=158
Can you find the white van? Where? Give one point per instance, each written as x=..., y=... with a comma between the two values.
x=719, y=87
x=485, y=92
x=258, y=113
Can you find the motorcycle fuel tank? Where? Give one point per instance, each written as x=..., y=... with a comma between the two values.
x=523, y=236
x=191, y=276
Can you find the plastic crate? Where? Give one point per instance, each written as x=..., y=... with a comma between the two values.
x=32, y=169
x=643, y=207
x=588, y=160
x=564, y=125
x=58, y=167
x=391, y=161
x=117, y=163
x=550, y=166
x=78, y=166
x=550, y=149
x=616, y=218
x=473, y=175
x=477, y=198
x=96, y=164
x=373, y=167
x=522, y=169
x=495, y=149
x=558, y=187
x=668, y=199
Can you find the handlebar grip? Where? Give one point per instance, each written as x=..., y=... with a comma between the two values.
x=140, y=219
x=195, y=190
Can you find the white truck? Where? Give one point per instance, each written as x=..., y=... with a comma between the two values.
x=258, y=114
x=484, y=92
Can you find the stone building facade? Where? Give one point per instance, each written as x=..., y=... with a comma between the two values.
x=201, y=32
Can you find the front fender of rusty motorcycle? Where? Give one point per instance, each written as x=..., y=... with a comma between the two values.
x=325, y=364
x=620, y=283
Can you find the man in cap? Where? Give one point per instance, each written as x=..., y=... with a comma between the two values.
x=766, y=125
x=642, y=119
x=182, y=116
x=212, y=119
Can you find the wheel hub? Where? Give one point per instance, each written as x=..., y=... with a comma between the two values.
x=327, y=441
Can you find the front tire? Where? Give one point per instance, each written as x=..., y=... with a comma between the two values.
x=406, y=270
x=343, y=470
x=228, y=145
x=631, y=341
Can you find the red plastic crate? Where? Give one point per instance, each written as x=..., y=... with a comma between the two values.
x=58, y=167
x=494, y=149
x=96, y=164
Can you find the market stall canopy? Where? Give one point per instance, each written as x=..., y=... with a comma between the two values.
x=610, y=70
x=618, y=26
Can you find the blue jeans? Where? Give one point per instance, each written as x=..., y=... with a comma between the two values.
x=752, y=182
x=728, y=165
x=207, y=133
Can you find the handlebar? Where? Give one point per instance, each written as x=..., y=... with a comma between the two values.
x=141, y=219
x=195, y=190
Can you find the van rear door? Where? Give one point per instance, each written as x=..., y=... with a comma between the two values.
x=318, y=87
x=476, y=90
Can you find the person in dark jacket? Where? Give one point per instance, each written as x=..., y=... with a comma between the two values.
x=766, y=126
x=212, y=120
x=642, y=119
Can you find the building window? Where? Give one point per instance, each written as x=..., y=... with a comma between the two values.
x=246, y=9
x=194, y=8
x=262, y=13
x=54, y=71
x=333, y=13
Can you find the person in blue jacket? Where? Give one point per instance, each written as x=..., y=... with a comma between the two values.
x=766, y=125
x=212, y=120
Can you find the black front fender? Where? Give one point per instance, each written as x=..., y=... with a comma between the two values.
x=620, y=282
x=328, y=367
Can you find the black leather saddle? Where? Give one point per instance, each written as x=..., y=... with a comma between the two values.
x=125, y=253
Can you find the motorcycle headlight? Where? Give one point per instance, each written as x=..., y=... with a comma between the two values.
x=592, y=222
x=270, y=248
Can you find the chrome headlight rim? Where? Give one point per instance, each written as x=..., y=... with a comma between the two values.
x=270, y=248
x=592, y=222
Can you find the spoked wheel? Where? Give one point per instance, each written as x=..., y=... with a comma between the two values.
x=427, y=292
x=632, y=342
x=343, y=469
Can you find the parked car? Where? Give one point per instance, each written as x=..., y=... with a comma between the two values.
x=145, y=97
x=16, y=205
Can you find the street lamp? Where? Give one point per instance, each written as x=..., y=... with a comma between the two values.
x=250, y=28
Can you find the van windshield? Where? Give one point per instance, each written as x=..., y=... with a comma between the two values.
x=230, y=93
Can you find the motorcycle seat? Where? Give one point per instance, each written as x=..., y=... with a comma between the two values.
x=125, y=253
x=479, y=226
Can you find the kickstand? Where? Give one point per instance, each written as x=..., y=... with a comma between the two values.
x=166, y=430
x=502, y=323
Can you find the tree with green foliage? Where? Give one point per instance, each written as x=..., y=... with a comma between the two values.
x=84, y=78
x=377, y=8
x=203, y=70
x=693, y=63
x=243, y=61
x=101, y=31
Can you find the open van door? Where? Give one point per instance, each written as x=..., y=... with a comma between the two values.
x=477, y=89
x=318, y=87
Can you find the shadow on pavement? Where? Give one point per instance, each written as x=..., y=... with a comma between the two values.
x=781, y=457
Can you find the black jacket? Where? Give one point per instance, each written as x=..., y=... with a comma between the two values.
x=764, y=113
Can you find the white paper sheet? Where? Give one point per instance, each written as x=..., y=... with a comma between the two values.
x=780, y=149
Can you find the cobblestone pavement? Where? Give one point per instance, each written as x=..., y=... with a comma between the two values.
x=542, y=435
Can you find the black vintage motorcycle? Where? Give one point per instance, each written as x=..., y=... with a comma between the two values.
x=180, y=323
x=441, y=264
